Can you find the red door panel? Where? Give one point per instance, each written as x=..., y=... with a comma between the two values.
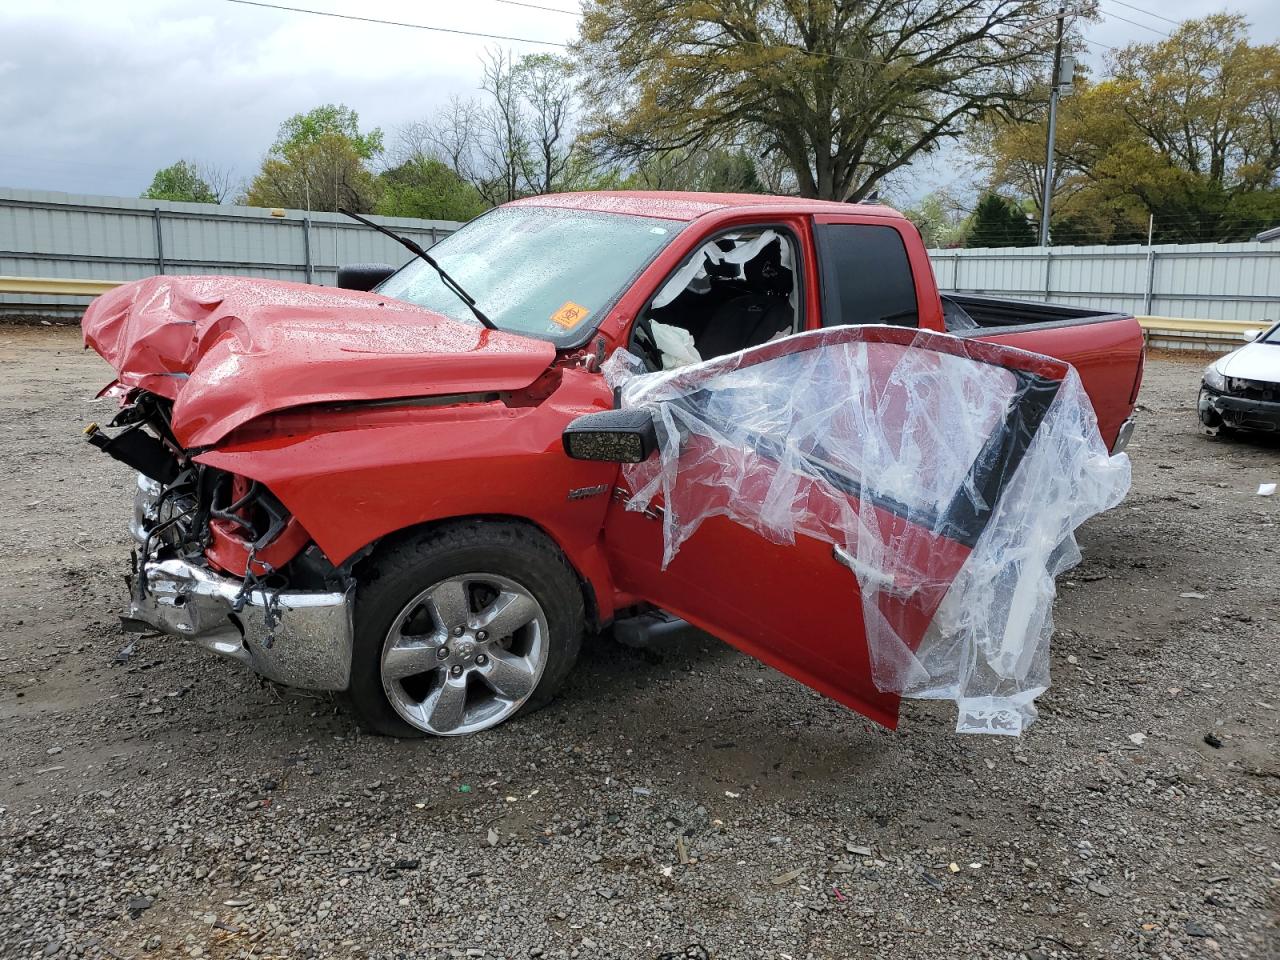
x=797, y=599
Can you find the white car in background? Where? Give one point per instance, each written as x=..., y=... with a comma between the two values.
x=1241, y=391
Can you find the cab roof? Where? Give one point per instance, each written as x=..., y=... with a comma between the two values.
x=674, y=205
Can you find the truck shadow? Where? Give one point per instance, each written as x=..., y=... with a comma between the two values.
x=717, y=721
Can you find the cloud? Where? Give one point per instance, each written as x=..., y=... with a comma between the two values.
x=96, y=97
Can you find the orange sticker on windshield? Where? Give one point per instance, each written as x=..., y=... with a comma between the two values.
x=569, y=315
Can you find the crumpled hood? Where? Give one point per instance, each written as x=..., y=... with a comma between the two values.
x=229, y=349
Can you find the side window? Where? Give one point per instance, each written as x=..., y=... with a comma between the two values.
x=866, y=277
x=737, y=290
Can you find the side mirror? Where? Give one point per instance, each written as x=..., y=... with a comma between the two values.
x=363, y=276
x=615, y=436
x=1248, y=336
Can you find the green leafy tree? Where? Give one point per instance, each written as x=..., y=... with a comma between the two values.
x=998, y=223
x=715, y=170
x=180, y=181
x=330, y=119
x=1186, y=130
x=319, y=161
x=426, y=187
x=847, y=93
x=940, y=220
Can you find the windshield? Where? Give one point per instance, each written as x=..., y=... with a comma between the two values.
x=1271, y=336
x=548, y=272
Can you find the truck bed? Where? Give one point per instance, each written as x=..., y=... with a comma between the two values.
x=1109, y=357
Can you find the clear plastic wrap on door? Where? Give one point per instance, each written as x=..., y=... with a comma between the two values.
x=949, y=475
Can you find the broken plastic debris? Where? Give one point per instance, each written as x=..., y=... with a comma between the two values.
x=1266, y=489
x=949, y=475
x=785, y=878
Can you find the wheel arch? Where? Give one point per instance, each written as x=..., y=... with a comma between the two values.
x=593, y=581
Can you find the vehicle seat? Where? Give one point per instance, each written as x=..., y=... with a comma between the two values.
x=753, y=318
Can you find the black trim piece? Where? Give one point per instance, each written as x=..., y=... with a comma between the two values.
x=970, y=510
x=136, y=448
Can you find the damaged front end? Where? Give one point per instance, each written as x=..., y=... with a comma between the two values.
x=222, y=562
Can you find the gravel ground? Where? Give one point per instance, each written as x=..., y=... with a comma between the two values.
x=164, y=803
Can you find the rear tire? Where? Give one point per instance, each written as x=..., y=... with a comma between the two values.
x=423, y=662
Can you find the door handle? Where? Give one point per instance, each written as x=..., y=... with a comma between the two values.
x=867, y=576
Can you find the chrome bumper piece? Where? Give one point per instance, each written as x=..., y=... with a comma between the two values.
x=309, y=646
x=1123, y=436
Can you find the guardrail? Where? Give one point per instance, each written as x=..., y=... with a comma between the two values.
x=1203, y=336
x=1172, y=333
x=57, y=286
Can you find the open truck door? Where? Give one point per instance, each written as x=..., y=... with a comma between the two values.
x=813, y=500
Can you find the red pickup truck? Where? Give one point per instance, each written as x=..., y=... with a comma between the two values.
x=383, y=490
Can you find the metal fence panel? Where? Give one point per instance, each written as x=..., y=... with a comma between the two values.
x=61, y=235
x=1207, y=281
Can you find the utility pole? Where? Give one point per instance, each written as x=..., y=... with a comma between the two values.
x=1054, y=80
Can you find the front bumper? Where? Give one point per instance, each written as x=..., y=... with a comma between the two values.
x=1221, y=409
x=306, y=644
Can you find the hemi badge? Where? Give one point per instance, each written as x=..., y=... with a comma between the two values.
x=582, y=493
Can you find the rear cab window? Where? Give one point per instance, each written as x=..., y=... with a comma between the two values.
x=866, y=275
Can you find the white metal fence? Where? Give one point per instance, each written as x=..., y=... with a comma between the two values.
x=59, y=235
x=45, y=234
x=1206, y=281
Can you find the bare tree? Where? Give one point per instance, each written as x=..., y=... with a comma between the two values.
x=502, y=144
x=449, y=135
x=520, y=139
x=223, y=182
x=546, y=84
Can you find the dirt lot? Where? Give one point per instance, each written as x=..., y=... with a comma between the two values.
x=164, y=803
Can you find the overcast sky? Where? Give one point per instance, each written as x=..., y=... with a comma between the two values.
x=96, y=95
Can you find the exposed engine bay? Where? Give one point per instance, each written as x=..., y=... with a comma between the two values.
x=219, y=558
x=199, y=512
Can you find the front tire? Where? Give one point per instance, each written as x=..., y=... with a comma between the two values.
x=460, y=628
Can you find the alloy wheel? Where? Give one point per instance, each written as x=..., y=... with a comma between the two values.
x=464, y=654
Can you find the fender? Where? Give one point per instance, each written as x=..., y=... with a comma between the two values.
x=353, y=475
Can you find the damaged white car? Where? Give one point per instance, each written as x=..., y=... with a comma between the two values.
x=1241, y=391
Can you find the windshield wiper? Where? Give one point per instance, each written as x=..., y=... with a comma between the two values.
x=417, y=251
